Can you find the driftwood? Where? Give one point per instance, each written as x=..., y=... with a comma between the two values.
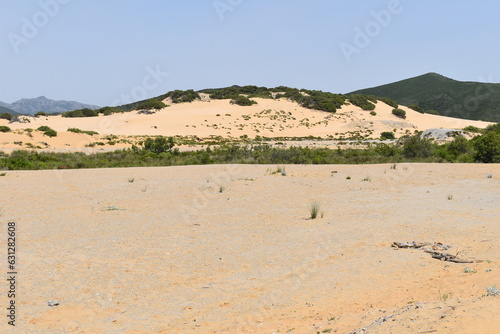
x=435, y=249
x=436, y=246
x=447, y=257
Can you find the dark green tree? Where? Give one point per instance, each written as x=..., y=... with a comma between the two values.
x=159, y=144
x=488, y=147
x=417, y=147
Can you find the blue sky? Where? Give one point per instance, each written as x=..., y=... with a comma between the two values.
x=104, y=52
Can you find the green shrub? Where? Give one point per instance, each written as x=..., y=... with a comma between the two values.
x=432, y=112
x=6, y=116
x=106, y=111
x=399, y=113
x=373, y=113
x=472, y=128
x=76, y=130
x=362, y=101
x=86, y=112
x=41, y=113
x=50, y=133
x=387, y=135
x=242, y=101
x=416, y=108
x=179, y=96
x=314, y=210
x=159, y=144
x=262, y=95
x=311, y=99
x=389, y=102
x=152, y=104
x=417, y=147
x=492, y=128
x=47, y=131
x=487, y=147
x=459, y=145
x=4, y=128
x=317, y=100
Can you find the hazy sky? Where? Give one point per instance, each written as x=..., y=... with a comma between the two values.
x=106, y=52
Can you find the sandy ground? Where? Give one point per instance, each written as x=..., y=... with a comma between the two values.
x=268, y=118
x=230, y=249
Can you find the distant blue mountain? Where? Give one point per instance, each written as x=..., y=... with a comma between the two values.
x=32, y=106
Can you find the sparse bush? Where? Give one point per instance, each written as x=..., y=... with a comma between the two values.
x=243, y=101
x=417, y=147
x=472, y=128
x=4, y=128
x=152, y=104
x=76, y=130
x=399, y=113
x=179, y=96
x=6, y=116
x=47, y=131
x=433, y=112
x=314, y=209
x=159, y=144
x=362, y=101
x=106, y=111
x=416, y=108
x=387, y=135
x=389, y=102
x=86, y=112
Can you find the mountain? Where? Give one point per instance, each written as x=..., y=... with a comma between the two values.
x=461, y=99
x=6, y=110
x=32, y=106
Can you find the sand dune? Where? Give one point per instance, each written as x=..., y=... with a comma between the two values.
x=162, y=250
x=268, y=118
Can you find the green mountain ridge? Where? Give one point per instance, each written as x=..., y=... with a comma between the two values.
x=432, y=91
x=4, y=110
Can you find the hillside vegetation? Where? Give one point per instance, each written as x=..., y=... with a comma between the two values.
x=433, y=92
x=160, y=151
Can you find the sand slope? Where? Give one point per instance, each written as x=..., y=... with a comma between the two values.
x=269, y=118
x=162, y=250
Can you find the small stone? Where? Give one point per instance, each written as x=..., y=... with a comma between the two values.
x=53, y=303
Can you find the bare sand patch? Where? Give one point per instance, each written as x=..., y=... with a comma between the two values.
x=231, y=249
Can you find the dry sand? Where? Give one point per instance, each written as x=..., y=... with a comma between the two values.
x=269, y=118
x=163, y=250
